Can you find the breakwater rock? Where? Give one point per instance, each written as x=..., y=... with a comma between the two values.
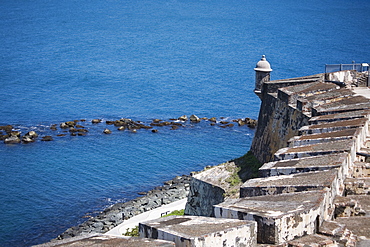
x=12, y=134
x=170, y=191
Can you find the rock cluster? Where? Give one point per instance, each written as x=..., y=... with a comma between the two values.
x=75, y=127
x=172, y=190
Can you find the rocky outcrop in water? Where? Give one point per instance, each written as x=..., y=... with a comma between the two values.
x=10, y=135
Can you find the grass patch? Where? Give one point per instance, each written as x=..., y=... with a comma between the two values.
x=175, y=212
x=133, y=232
x=248, y=166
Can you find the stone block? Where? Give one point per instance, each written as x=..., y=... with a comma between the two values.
x=357, y=186
x=283, y=217
x=347, y=115
x=314, y=240
x=333, y=147
x=315, y=163
x=360, y=170
x=318, y=180
x=201, y=231
x=352, y=103
x=310, y=139
x=333, y=126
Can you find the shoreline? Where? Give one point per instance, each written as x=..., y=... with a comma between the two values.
x=171, y=191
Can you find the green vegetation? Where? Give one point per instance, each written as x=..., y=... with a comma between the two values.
x=134, y=232
x=234, y=179
x=248, y=166
x=175, y=212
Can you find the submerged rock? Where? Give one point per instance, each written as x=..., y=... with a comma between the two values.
x=7, y=128
x=47, y=138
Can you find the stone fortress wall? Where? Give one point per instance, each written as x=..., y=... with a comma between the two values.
x=313, y=188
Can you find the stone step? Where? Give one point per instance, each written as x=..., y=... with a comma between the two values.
x=359, y=226
x=357, y=186
x=313, y=240
x=309, y=139
x=363, y=201
x=361, y=169
x=347, y=207
x=307, y=103
x=317, y=180
x=290, y=94
x=334, y=126
x=333, y=147
x=340, y=116
x=201, y=231
x=280, y=218
x=352, y=103
x=315, y=163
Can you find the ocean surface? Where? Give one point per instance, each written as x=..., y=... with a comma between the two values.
x=141, y=59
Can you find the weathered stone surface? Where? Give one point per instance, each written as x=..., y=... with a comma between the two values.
x=333, y=126
x=313, y=240
x=315, y=163
x=202, y=197
x=308, y=181
x=309, y=139
x=105, y=240
x=347, y=115
x=281, y=217
x=201, y=231
x=352, y=103
x=360, y=226
x=357, y=186
x=333, y=147
x=277, y=123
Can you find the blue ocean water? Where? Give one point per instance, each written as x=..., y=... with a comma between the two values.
x=141, y=59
